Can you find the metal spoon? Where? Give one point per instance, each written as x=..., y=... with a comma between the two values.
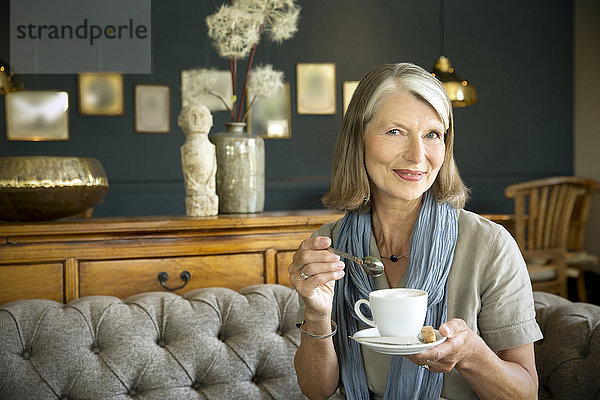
x=371, y=265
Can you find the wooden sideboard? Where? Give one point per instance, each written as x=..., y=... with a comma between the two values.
x=67, y=259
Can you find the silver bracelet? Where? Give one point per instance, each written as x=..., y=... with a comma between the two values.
x=312, y=335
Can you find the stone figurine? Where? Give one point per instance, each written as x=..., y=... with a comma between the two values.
x=198, y=161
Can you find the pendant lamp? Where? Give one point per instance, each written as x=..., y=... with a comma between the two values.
x=460, y=91
x=9, y=82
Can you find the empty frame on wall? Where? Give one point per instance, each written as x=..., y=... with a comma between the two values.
x=100, y=93
x=269, y=117
x=152, y=108
x=316, y=88
x=348, y=89
x=37, y=115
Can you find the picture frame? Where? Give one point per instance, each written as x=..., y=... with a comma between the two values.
x=37, y=115
x=348, y=88
x=270, y=117
x=316, y=92
x=193, y=82
x=100, y=93
x=152, y=108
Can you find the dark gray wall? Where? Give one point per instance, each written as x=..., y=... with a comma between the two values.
x=517, y=53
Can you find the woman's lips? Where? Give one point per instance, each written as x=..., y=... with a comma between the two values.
x=409, y=175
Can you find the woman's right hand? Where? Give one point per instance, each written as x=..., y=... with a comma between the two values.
x=322, y=268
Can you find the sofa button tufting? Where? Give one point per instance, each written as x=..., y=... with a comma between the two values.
x=95, y=350
x=196, y=385
x=131, y=391
x=25, y=355
x=255, y=379
x=584, y=353
x=280, y=332
x=161, y=342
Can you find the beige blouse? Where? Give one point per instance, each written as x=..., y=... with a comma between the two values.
x=488, y=287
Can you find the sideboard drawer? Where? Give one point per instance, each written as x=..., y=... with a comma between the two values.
x=31, y=281
x=284, y=259
x=123, y=278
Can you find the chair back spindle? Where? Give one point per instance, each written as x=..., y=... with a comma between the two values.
x=543, y=229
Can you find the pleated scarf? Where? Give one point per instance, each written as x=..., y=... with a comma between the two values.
x=431, y=253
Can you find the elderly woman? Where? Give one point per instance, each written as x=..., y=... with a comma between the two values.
x=394, y=175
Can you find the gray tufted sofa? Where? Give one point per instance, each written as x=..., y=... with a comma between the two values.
x=219, y=344
x=211, y=343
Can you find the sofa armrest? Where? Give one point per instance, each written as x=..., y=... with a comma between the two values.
x=568, y=358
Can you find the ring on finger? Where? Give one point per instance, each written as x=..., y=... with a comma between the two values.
x=426, y=365
x=303, y=275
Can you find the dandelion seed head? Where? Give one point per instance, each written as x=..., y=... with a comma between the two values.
x=261, y=7
x=283, y=25
x=263, y=81
x=201, y=83
x=233, y=31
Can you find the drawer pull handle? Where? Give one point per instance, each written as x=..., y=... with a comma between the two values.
x=163, y=277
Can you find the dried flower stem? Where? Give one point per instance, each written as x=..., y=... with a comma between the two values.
x=233, y=70
x=242, y=97
x=218, y=96
x=248, y=109
x=247, y=73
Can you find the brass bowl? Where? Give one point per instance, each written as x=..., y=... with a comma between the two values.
x=43, y=188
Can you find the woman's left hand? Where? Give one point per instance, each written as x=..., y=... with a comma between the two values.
x=461, y=343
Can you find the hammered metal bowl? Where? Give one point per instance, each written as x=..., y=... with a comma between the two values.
x=43, y=188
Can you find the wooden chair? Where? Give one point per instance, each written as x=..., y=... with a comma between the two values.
x=543, y=210
x=578, y=260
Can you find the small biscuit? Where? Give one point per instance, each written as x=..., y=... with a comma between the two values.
x=428, y=334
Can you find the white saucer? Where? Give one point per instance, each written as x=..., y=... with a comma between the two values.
x=396, y=349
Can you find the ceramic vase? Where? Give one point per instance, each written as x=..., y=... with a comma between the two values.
x=240, y=170
x=198, y=162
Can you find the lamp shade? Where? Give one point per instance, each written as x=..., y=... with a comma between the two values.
x=9, y=82
x=461, y=92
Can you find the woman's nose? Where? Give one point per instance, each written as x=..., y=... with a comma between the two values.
x=415, y=150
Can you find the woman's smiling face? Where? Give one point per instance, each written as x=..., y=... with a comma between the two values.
x=404, y=147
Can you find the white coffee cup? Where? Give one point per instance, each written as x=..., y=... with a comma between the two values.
x=396, y=312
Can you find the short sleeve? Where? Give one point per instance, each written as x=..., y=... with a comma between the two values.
x=329, y=230
x=507, y=315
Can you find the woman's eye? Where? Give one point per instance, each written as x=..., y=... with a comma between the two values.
x=433, y=135
x=394, y=132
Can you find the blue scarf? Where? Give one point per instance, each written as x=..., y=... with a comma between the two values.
x=431, y=253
